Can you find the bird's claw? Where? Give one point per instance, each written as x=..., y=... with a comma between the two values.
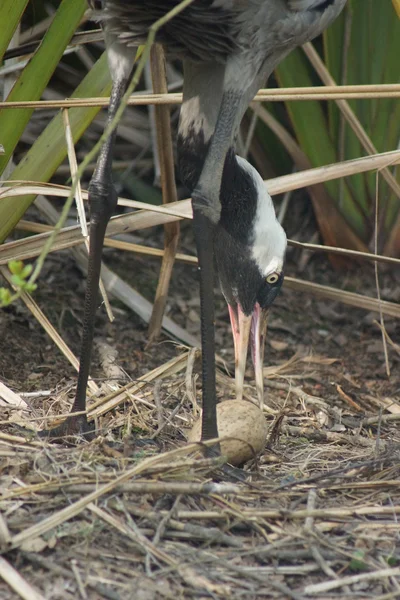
x=231, y=473
x=72, y=427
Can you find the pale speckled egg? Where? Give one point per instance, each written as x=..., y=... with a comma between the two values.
x=241, y=420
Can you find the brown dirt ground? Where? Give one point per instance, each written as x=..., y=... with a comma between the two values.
x=326, y=375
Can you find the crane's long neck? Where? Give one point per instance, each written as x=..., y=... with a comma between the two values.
x=202, y=94
x=246, y=209
x=215, y=97
x=238, y=193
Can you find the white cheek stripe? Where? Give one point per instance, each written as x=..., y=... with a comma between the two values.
x=269, y=238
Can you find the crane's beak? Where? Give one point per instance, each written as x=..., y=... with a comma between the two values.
x=249, y=328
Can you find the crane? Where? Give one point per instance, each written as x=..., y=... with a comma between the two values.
x=229, y=48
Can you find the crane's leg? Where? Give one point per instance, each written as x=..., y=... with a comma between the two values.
x=204, y=230
x=103, y=201
x=206, y=213
x=202, y=94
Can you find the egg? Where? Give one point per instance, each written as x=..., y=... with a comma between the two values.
x=242, y=421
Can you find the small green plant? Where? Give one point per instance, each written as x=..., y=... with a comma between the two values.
x=358, y=562
x=392, y=561
x=20, y=280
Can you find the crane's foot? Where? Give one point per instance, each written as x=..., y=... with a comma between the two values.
x=229, y=472
x=75, y=426
x=233, y=474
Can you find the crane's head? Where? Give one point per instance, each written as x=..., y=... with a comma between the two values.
x=250, y=247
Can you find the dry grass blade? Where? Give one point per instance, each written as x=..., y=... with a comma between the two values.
x=10, y=398
x=359, y=256
x=17, y=582
x=19, y=441
x=26, y=49
x=5, y=535
x=295, y=515
x=135, y=488
x=167, y=169
x=317, y=175
x=135, y=536
x=21, y=188
x=350, y=92
x=350, y=298
x=73, y=165
x=161, y=461
x=33, y=227
x=103, y=405
x=69, y=237
x=327, y=586
x=157, y=215
x=278, y=185
x=389, y=340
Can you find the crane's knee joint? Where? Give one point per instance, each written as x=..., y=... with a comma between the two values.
x=205, y=207
x=103, y=199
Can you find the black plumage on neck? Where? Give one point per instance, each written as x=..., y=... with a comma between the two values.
x=238, y=273
x=323, y=6
x=238, y=192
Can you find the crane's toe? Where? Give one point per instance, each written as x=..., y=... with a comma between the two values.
x=71, y=430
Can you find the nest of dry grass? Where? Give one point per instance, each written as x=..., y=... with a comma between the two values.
x=317, y=516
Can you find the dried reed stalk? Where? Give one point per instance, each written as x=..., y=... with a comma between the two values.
x=168, y=186
x=103, y=405
x=155, y=215
x=161, y=460
x=16, y=582
x=151, y=215
x=349, y=298
x=33, y=227
x=332, y=92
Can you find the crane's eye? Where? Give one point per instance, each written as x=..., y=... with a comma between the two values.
x=272, y=278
